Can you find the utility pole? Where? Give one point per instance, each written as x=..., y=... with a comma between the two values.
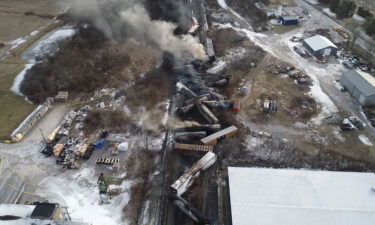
x=45, y=141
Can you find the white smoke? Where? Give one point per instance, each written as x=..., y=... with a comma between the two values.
x=121, y=19
x=176, y=123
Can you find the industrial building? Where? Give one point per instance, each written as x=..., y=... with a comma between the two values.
x=360, y=85
x=319, y=45
x=288, y=20
x=36, y=214
x=265, y=196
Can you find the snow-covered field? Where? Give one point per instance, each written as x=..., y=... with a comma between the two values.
x=19, y=78
x=329, y=13
x=15, y=43
x=79, y=191
x=46, y=46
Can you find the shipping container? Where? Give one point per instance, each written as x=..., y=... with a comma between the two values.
x=212, y=139
x=190, y=147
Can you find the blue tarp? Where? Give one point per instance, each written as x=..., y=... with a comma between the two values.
x=100, y=144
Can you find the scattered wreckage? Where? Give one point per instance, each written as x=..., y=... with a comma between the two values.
x=197, y=93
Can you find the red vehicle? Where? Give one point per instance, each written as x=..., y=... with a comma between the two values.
x=236, y=106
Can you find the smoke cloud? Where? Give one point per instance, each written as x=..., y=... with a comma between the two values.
x=124, y=19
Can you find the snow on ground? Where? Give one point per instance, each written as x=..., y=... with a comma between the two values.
x=359, y=18
x=16, y=43
x=337, y=134
x=329, y=13
x=35, y=32
x=48, y=44
x=313, y=2
x=19, y=78
x=364, y=139
x=230, y=56
x=165, y=118
x=253, y=36
x=328, y=107
x=224, y=5
x=218, y=67
x=79, y=191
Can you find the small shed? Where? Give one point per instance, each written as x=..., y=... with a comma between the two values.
x=288, y=20
x=360, y=85
x=62, y=96
x=213, y=138
x=50, y=211
x=319, y=45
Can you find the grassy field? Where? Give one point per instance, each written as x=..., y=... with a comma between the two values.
x=277, y=3
x=14, y=108
x=280, y=29
x=15, y=24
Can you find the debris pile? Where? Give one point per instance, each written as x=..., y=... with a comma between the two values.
x=69, y=149
x=198, y=98
x=299, y=76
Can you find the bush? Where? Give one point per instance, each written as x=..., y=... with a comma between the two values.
x=370, y=27
x=365, y=13
x=343, y=9
x=112, y=121
x=81, y=64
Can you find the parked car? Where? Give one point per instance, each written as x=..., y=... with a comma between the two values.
x=357, y=122
x=339, y=86
x=347, y=125
x=348, y=64
x=364, y=67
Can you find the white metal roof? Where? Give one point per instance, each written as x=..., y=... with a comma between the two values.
x=318, y=42
x=293, y=197
x=292, y=17
x=370, y=79
x=363, y=81
x=18, y=210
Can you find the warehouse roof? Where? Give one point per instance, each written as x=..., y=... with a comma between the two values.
x=294, y=197
x=364, y=81
x=289, y=17
x=318, y=42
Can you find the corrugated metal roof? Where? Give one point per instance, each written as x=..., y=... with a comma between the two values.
x=289, y=17
x=318, y=42
x=363, y=81
x=265, y=196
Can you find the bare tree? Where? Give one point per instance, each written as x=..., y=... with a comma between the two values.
x=355, y=30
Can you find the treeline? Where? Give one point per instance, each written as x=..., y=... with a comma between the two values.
x=346, y=8
x=81, y=65
x=342, y=8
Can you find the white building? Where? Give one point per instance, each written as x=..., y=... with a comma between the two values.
x=294, y=197
x=319, y=45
